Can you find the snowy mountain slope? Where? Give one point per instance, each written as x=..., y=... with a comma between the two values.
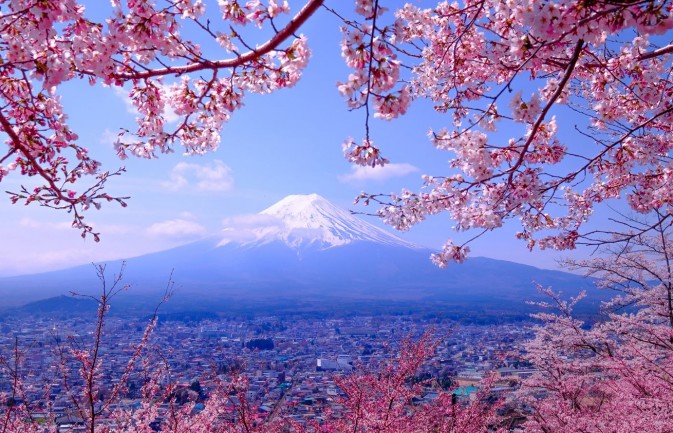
x=310, y=220
x=304, y=248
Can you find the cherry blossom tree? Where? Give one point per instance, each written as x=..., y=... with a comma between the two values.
x=45, y=44
x=616, y=375
x=514, y=78
x=383, y=400
x=513, y=75
x=83, y=389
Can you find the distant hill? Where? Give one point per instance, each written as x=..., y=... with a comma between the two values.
x=306, y=253
x=60, y=304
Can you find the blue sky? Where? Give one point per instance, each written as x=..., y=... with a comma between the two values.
x=285, y=143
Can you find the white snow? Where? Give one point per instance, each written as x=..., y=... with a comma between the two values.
x=302, y=220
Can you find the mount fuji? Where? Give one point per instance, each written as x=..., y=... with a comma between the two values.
x=299, y=251
x=310, y=220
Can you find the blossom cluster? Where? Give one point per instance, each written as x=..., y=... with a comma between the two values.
x=615, y=374
x=141, y=49
x=554, y=106
x=517, y=77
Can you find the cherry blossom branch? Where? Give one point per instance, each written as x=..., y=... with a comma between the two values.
x=14, y=374
x=559, y=90
x=295, y=23
x=138, y=349
x=668, y=49
x=18, y=144
x=368, y=92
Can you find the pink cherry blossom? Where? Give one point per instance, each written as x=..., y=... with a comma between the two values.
x=613, y=375
x=508, y=74
x=511, y=68
x=137, y=47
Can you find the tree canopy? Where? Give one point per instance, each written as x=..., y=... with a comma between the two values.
x=552, y=106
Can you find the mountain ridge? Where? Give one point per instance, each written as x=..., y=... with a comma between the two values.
x=311, y=220
x=343, y=259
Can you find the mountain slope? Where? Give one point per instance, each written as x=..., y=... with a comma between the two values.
x=299, y=221
x=305, y=249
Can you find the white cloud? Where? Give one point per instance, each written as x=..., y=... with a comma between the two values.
x=215, y=177
x=47, y=241
x=108, y=137
x=176, y=228
x=379, y=173
x=123, y=94
x=44, y=260
x=45, y=246
x=104, y=229
x=33, y=224
x=249, y=227
x=187, y=215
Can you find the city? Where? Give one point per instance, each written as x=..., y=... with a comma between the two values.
x=290, y=363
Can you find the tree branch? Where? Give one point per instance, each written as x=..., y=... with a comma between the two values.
x=295, y=23
x=566, y=77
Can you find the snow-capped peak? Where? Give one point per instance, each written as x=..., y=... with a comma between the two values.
x=300, y=220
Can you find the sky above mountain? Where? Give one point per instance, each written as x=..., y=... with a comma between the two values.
x=280, y=144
